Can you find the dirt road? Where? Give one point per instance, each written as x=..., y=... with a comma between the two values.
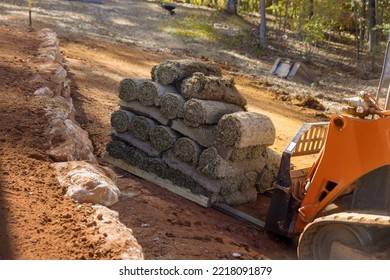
x=37, y=221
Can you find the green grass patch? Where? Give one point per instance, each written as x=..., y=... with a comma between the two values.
x=195, y=27
x=208, y=28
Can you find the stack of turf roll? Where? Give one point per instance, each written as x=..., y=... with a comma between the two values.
x=188, y=124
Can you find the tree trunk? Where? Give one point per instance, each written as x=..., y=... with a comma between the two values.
x=372, y=32
x=275, y=4
x=362, y=23
x=311, y=9
x=287, y=4
x=356, y=30
x=371, y=24
x=231, y=7
x=275, y=12
x=263, y=25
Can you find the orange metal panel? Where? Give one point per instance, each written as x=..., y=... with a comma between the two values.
x=355, y=149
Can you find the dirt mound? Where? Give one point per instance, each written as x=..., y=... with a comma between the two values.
x=37, y=221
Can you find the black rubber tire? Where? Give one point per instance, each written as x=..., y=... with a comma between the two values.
x=316, y=242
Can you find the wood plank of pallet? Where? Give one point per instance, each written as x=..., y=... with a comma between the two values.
x=239, y=215
x=164, y=183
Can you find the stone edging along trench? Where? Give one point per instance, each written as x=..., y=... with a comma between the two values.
x=72, y=151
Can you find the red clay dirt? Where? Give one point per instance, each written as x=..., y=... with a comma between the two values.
x=38, y=222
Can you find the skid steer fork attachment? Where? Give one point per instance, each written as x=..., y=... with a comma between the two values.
x=281, y=214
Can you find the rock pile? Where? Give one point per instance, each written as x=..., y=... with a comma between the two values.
x=68, y=144
x=188, y=124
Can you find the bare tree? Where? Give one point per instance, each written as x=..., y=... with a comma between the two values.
x=311, y=9
x=371, y=25
x=231, y=6
x=286, y=12
x=355, y=15
x=372, y=33
x=362, y=22
x=263, y=25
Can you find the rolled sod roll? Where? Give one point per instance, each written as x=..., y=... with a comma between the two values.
x=172, y=106
x=244, y=129
x=237, y=154
x=268, y=176
x=150, y=93
x=187, y=150
x=213, y=165
x=228, y=188
x=239, y=198
x=145, y=146
x=242, y=183
x=187, y=182
x=120, y=120
x=204, y=87
x=156, y=165
x=248, y=182
x=137, y=108
x=163, y=137
x=204, y=135
x=198, y=112
x=115, y=149
x=171, y=71
x=135, y=157
x=129, y=89
x=213, y=185
x=140, y=127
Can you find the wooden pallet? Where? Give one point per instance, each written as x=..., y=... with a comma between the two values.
x=164, y=183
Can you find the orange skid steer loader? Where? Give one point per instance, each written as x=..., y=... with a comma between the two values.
x=339, y=208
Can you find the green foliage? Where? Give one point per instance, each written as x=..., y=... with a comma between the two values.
x=311, y=19
x=250, y=6
x=384, y=28
x=313, y=32
x=218, y=4
x=232, y=32
x=194, y=27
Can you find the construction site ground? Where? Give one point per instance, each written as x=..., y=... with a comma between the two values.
x=38, y=222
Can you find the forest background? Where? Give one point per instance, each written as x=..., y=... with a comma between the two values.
x=316, y=21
